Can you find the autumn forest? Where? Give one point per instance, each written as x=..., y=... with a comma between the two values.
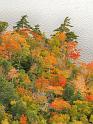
x=43, y=80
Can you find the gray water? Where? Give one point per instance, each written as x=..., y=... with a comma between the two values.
x=49, y=14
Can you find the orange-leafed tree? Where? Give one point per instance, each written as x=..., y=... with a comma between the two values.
x=12, y=42
x=23, y=119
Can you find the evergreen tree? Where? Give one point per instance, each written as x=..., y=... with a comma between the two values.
x=23, y=23
x=65, y=27
x=68, y=94
x=3, y=26
x=7, y=91
x=78, y=96
x=36, y=29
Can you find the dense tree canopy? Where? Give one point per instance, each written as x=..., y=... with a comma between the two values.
x=43, y=80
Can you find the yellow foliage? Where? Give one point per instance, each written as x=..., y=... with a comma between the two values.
x=27, y=98
x=60, y=119
x=77, y=122
x=5, y=121
x=80, y=84
x=55, y=89
x=66, y=73
x=13, y=102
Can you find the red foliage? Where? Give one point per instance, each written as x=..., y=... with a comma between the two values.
x=74, y=55
x=89, y=98
x=62, y=81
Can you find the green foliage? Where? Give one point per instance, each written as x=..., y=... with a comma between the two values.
x=71, y=36
x=73, y=74
x=81, y=111
x=84, y=119
x=2, y=112
x=91, y=118
x=50, y=63
x=35, y=74
x=22, y=62
x=3, y=26
x=23, y=23
x=65, y=26
x=7, y=91
x=18, y=109
x=6, y=65
x=73, y=112
x=36, y=29
x=50, y=96
x=33, y=114
x=15, y=122
x=70, y=95
x=27, y=63
x=78, y=96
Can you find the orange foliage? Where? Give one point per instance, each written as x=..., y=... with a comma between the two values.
x=25, y=32
x=55, y=89
x=12, y=74
x=23, y=119
x=90, y=66
x=71, y=45
x=23, y=91
x=61, y=36
x=41, y=83
x=58, y=80
x=59, y=104
x=4, y=53
x=9, y=42
x=37, y=36
x=50, y=58
x=12, y=42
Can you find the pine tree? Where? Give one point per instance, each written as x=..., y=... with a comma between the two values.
x=3, y=26
x=68, y=94
x=65, y=27
x=36, y=29
x=23, y=23
x=7, y=91
x=78, y=96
